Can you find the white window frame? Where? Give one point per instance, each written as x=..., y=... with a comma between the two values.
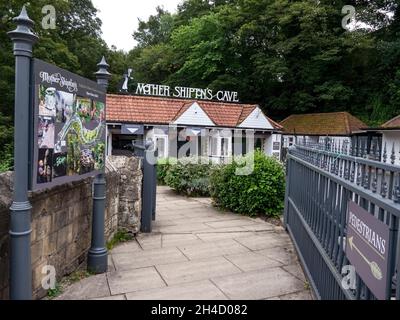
x=219, y=138
x=166, y=149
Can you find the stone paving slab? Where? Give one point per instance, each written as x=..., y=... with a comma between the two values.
x=260, y=284
x=89, y=288
x=215, y=249
x=175, y=240
x=149, y=241
x=134, y=280
x=128, y=247
x=216, y=236
x=125, y=261
x=285, y=255
x=198, y=252
x=260, y=242
x=199, y=290
x=231, y=223
x=196, y=270
x=250, y=261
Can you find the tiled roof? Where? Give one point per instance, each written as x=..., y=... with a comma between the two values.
x=156, y=110
x=336, y=123
x=392, y=124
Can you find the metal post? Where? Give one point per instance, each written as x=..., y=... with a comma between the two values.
x=20, y=221
x=147, y=191
x=154, y=186
x=98, y=256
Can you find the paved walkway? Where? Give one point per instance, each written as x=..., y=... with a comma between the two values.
x=197, y=252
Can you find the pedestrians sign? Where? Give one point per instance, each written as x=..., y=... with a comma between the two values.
x=367, y=248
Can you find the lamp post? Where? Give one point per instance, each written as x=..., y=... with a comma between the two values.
x=20, y=220
x=97, y=257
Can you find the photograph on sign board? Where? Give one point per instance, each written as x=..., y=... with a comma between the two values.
x=47, y=101
x=98, y=111
x=59, y=165
x=46, y=132
x=83, y=109
x=45, y=166
x=73, y=154
x=86, y=161
x=64, y=106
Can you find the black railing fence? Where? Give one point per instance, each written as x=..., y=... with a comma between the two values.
x=321, y=180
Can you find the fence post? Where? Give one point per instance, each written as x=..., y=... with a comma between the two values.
x=98, y=256
x=287, y=191
x=20, y=220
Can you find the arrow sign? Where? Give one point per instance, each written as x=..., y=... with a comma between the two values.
x=375, y=270
x=133, y=130
x=368, y=249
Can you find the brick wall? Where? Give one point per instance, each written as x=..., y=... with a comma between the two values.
x=61, y=220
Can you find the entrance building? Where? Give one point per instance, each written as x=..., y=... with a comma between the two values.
x=180, y=127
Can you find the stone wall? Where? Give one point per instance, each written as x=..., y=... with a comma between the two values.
x=61, y=220
x=130, y=190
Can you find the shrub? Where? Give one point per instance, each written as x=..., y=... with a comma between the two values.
x=163, y=166
x=189, y=176
x=261, y=192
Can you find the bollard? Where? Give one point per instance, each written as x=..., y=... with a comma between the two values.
x=20, y=220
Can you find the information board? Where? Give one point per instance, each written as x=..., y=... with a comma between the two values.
x=69, y=128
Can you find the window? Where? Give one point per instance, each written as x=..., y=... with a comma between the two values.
x=161, y=143
x=214, y=145
x=225, y=147
x=220, y=146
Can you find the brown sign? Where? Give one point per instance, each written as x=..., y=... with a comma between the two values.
x=367, y=248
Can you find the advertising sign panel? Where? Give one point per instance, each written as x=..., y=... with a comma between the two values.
x=69, y=130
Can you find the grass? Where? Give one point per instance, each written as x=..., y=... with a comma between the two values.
x=54, y=293
x=67, y=281
x=120, y=237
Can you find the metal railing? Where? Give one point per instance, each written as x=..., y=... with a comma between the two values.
x=321, y=181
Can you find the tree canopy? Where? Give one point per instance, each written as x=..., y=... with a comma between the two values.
x=289, y=56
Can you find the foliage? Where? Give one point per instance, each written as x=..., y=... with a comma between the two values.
x=261, y=192
x=75, y=44
x=54, y=293
x=190, y=176
x=287, y=56
x=119, y=237
x=163, y=166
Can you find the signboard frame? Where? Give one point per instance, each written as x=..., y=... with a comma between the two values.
x=367, y=248
x=51, y=82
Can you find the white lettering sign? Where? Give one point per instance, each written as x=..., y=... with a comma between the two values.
x=185, y=93
x=70, y=85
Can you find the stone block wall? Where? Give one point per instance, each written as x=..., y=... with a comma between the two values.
x=61, y=220
x=130, y=191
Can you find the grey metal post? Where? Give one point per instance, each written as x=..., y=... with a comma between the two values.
x=98, y=256
x=147, y=191
x=154, y=186
x=20, y=221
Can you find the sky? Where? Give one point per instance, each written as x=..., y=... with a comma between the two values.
x=120, y=18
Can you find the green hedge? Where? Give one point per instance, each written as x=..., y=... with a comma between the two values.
x=163, y=166
x=261, y=192
x=190, y=176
